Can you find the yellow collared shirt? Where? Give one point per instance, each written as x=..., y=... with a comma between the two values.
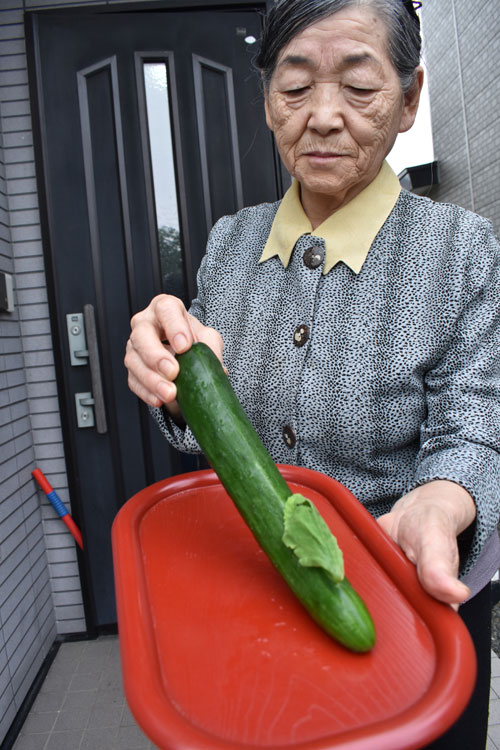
x=348, y=233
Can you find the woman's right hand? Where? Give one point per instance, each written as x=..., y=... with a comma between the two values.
x=150, y=360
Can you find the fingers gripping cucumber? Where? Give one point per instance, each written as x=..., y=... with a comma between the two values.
x=251, y=478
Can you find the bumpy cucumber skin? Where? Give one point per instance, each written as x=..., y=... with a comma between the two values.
x=252, y=480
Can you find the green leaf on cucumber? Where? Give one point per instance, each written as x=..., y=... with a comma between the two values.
x=308, y=535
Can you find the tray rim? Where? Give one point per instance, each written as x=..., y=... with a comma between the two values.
x=405, y=731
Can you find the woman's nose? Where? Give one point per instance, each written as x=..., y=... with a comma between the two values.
x=326, y=109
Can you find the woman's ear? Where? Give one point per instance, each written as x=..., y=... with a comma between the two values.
x=411, y=101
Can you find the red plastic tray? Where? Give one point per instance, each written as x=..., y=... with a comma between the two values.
x=218, y=654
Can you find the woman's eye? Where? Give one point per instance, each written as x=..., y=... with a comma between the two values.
x=360, y=91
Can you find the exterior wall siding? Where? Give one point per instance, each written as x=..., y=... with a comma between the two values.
x=27, y=622
x=462, y=49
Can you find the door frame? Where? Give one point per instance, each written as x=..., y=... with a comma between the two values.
x=45, y=202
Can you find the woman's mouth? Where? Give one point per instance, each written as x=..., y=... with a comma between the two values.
x=323, y=155
x=323, y=158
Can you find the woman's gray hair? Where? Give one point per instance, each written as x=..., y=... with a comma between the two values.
x=287, y=18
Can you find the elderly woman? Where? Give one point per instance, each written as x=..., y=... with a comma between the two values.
x=358, y=322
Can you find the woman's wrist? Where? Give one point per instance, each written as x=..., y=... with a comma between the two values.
x=173, y=411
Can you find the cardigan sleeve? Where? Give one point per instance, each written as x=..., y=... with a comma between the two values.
x=182, y=439
x=460, y=437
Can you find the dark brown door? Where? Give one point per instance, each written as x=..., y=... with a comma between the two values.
x=149, y=126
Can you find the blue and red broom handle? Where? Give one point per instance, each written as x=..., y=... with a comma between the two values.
x=58, y=506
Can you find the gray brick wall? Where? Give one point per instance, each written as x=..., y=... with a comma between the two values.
x=27, y=622
x=462, y=52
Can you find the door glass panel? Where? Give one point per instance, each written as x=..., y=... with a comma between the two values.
x=162, y=159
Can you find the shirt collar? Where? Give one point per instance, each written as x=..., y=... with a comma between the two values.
x=348, y=233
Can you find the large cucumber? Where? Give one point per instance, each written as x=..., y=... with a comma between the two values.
x=251, y=478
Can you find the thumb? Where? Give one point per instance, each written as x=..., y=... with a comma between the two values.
x=387, y=522
x=437, y=566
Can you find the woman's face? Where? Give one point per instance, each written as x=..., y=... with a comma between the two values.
x=335, y=106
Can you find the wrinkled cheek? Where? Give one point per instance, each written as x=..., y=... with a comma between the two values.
x=371, y=144
x=286, y=149
x=379, y=126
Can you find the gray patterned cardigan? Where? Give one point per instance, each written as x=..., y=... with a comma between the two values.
x=396, y=380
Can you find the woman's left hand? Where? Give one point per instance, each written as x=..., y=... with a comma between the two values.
x=425, y=523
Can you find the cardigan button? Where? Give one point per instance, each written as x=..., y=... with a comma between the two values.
x=313, y=256
x=301, y=335
x=289, y=436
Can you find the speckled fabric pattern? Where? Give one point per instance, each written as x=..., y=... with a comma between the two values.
x=383, y=380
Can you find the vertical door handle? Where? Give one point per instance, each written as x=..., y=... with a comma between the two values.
x=95, y=369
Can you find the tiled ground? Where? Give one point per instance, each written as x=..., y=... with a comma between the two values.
x=494, y=724
x=81, y=704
